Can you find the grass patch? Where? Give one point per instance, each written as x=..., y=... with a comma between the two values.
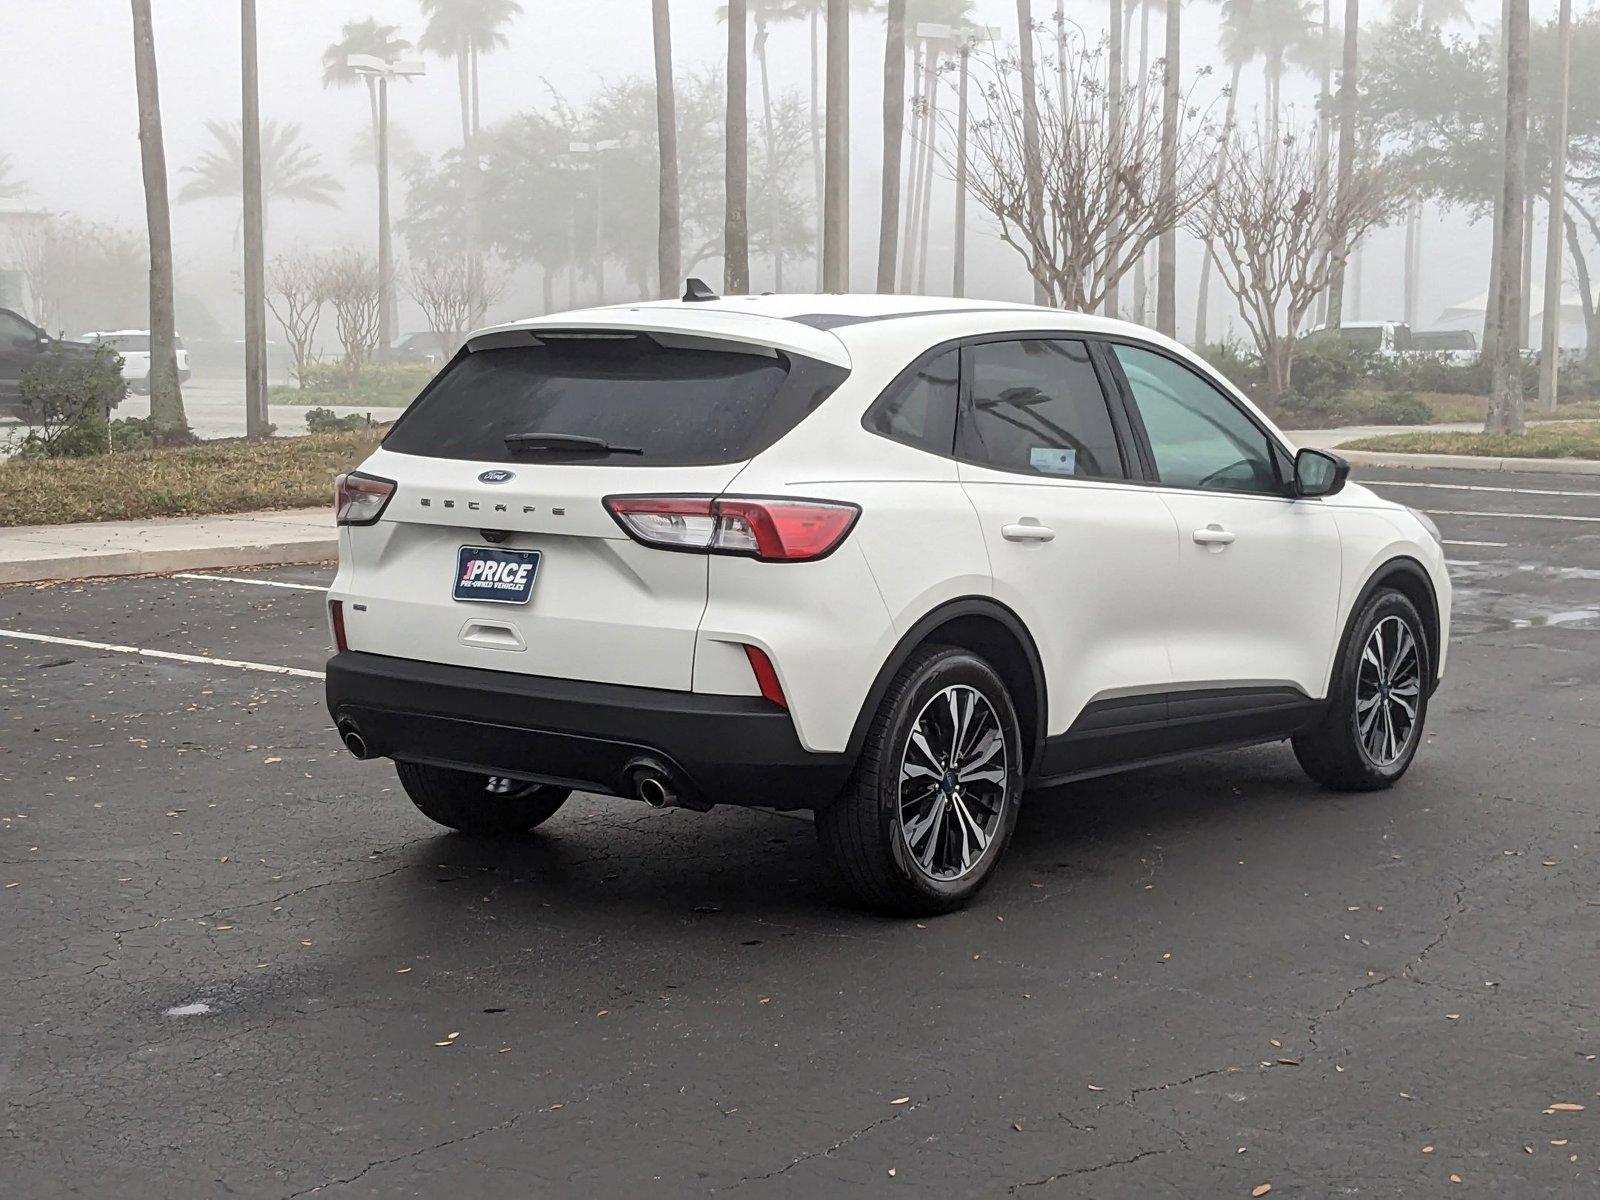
x=1575, y=439
x=212, y=477
x=1452, y=408
x=392, y=386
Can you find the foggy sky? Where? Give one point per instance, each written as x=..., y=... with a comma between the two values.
x=70, y=125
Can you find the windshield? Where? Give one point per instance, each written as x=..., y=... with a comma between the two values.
x=658, y=404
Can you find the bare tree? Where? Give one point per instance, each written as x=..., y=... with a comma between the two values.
x=1271, y=223
x=1505, y=390
x=296, y=292
x=353, y=288
x=78, y=271
x=1097, y=207
x=167, y=418
x=449, y=292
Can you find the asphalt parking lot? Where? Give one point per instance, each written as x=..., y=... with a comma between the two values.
x=237, y=962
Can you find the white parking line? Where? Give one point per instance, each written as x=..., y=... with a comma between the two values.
x=1457, y=542
x=1450, y=512
x=277, y=583
x=236, y=663
x=1478, y=487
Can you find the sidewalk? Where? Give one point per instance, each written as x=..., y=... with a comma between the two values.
x=31, y=553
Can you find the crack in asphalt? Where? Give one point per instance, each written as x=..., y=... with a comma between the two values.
x=418, y=1153
x=1105, y=1166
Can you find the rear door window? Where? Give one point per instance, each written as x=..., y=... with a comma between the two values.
x=1037, y=408
x=654, y=403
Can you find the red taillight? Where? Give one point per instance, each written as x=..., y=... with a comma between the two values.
x=770, y=530
x=766, y=675
x=360, y=499
x=336, y=619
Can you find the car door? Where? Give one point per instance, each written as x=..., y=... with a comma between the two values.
x=1080, y=549
x=19, y=347
x=1256, y=598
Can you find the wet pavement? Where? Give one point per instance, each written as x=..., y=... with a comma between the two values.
x=237, y=962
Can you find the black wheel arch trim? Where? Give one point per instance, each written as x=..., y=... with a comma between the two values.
x=920, y=634
x=1381, y=576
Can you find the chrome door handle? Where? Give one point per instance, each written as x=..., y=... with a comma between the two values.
x=1213, y=535
x=1027, y=532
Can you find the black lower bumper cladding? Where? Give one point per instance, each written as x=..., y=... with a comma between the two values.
x=739, y=750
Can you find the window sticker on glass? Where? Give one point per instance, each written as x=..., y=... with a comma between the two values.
x=1051, y=460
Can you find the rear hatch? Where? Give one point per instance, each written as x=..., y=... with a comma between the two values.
x=506, y=459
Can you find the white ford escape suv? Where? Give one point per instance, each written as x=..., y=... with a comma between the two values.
x=893, y=559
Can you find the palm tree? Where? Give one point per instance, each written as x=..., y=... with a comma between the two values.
x=1549, y=342
x=1440, y=13
x=1505, y=393
x=1347, y=156
x=736, y=157
x=289, y=168
x=956, y=16
x=894, y=122
x=1235, y=16
x=1167, y=242
x=836, y=181
x=166, y=399
x=1271, y=30
x=253, y=219
x=1030, y=133
x=669, y=237
x=463, y=30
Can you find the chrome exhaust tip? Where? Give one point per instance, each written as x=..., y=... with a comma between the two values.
x=354, y=742
x=656, y=791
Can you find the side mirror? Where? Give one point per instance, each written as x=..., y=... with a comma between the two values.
x=1319, y=473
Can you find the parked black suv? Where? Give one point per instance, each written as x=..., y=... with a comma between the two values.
x=22, y=344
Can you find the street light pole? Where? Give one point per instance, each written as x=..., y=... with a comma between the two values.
x=383, y=71
x=255, y=269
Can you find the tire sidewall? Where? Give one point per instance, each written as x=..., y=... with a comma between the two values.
x=1386, y=603
x=949, y=668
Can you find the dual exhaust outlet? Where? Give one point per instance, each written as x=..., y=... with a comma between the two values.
x=649, y=780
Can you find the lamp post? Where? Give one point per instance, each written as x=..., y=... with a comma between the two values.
x=372, y=66
x=597, y=149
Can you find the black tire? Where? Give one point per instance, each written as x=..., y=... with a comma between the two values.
x=1335, y=752
x=862, y=832
x=464, y=801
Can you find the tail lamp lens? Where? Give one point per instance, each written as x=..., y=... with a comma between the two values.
x=341, y=643
x=766, y=675
x=769, y=530
x=360, y=499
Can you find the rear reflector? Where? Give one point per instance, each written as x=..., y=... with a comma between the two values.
x=336, y=620
x=771, y=530
x=360, y=499
x=766, y=675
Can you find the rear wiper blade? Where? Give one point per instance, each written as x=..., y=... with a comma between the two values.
x=570, y=442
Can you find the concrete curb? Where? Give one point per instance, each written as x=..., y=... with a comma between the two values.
x=1465, y=462
x=53, y=553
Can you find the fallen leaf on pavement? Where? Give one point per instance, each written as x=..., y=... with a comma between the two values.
x=901, y=1100
x=1261, y=1189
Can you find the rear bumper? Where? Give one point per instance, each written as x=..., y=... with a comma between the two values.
x=718, y=749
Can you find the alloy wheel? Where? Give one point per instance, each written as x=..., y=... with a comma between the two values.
x=1388, y=692
x=953, y=786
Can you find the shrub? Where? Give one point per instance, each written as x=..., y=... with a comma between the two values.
x=325, y=420
x=1239, y=364
x=67, y=400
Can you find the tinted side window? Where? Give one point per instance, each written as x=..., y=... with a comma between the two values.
x=1037, y=407
x=1200, y=437
x=14, y=331
x=920, y=406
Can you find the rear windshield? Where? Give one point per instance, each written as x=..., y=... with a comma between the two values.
x=127, y=341
x=675, y=405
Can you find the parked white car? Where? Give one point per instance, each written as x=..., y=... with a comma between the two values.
x=133, y=346
x=893, y=559
x=1387, y=339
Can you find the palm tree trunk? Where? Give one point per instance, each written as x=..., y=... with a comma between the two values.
x=477, y=113
x=772, y=154
x=894, y=121
x=1550, y=334
x=736, y=179
x=1523, y=339
x=919, y=145
x=1167, y=251
x=1141, y=296
x=386, y=280
x=958, y=284
x=816, y=134
x=166, y=398
x=836, y=183
x=1200, y=325
x=469, y=177
x=1409, y=280
x=255, y=268
x=1034, y=180
x=930, y=127
x=1347, y=159
x=1324, y=126
x=1505, y=396
x=669, y=235
x=1114, y=26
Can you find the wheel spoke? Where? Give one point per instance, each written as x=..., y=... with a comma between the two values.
x=972, y=834
x=952, y=801
x=990, y=745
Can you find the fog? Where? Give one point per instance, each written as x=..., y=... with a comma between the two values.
x=71, y=132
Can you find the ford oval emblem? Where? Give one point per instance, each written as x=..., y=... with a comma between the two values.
x=496, y=476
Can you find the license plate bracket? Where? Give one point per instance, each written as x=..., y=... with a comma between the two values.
x=494, y=575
